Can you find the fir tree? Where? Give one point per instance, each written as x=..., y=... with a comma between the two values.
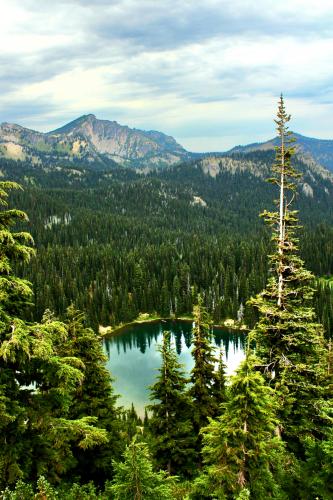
x=240, y=448
x=203, y=375
x=288, y=340
x=94, y=398
x=173, y=438
x=135, y=479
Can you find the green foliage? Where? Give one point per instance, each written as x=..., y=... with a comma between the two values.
x=37, y=375
x=317, y=471
x=44, y=491
x=172, y=435
x=118, y=243
x=205, y=380
x=93, y=399
x=22, y=491
x=220, y=384
x=241, y=449
x=289, y=342
x=135, y=479
x=131, y=424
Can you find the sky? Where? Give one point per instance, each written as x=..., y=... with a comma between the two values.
x=207, y=72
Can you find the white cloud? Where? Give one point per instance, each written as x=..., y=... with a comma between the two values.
x=207, y=72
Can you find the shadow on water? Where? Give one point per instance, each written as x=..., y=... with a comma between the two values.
x=133, y=358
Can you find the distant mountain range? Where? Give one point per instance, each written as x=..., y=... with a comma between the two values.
x=88, y=140
x=320, y=150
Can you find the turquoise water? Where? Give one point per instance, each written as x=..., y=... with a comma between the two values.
x=133, y=359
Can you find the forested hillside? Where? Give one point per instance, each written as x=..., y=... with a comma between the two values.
x=118, y=243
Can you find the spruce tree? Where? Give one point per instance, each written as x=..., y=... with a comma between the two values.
x=203, y=375
x=240, y=448
x=288, y=340
x=172, y=436
x=135, y=479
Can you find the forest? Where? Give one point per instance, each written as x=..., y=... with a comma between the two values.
x=120, y=243
x=110, y=245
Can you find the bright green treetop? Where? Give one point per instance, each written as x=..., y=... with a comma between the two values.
x=135, y=479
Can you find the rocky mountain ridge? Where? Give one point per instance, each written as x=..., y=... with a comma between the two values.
x=89, y=140
x=105, y=144
x=319, y=150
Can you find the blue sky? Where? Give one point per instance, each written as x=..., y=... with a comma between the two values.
x=208, y=72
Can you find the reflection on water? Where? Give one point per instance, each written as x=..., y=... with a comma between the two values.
x=133, y=358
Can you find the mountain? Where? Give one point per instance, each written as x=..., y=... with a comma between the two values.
x=88, y=140
x=104, y=144
x=319, y=150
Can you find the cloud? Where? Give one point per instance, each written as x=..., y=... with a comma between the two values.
x=193, y=69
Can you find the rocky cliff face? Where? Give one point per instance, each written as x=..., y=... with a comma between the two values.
x=91, y=140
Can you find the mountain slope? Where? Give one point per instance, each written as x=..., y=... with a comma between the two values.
x=319, y=150
x=89, y=140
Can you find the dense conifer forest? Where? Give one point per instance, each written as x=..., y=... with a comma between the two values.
x=113, y=244
x=118, y=243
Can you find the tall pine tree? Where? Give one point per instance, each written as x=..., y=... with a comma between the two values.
x=289, y=341
x=94, y=397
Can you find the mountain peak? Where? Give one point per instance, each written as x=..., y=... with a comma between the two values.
x=74, y=124
x=92, y=140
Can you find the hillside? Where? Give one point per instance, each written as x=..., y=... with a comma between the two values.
x=317, y=150
x=116, y=242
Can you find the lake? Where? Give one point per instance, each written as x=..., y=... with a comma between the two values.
x=133, y=359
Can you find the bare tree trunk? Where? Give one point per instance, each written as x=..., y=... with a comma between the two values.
x=281, y=223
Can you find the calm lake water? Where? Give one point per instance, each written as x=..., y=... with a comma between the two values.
x=133, y=359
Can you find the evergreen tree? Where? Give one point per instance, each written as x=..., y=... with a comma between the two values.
x=219, y=388
x=135, y=479
x=94, y=398
x=45, y=491
x=36, y=383
x=172, y=435
x=203, y=375
x=131, y=422
x=240, y=448
x=288, y=340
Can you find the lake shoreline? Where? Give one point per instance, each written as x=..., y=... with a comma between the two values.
x=105, y=332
